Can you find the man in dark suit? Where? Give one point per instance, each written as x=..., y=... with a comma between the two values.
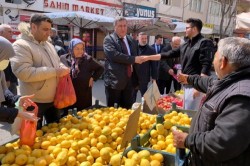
x=146, y=71
x=167, y=70
x=158, y=46
x=120, y=50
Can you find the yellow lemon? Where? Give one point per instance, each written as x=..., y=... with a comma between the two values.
x=21, y=159
x=155, y=163
x=40, y=162
x=131, y=153
x=153, y=133
x=81, y=157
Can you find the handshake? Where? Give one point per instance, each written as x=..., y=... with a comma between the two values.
x=141, y=59
x=144, y=58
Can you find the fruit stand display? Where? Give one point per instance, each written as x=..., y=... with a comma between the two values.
x=159, y=139
x=165, y=102
x=93, y=137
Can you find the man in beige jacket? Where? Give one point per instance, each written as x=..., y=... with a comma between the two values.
x=37, y=66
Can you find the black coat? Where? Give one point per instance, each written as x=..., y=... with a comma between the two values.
x=143, y=72
x=220, y=132
x=116, y=63
x=196, y=55
x=88, y=67
x=8, y=114
x=166, y=65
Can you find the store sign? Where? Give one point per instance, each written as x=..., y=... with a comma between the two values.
x=64, y=5
x=211, y=26
x=132, y=10
x=11, y=17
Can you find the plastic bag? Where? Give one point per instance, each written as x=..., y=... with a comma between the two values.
x=65, y=93
x=16, y=126
x=28, y=129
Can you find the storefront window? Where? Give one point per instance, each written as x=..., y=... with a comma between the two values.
x=166, y=2
x=195, y=5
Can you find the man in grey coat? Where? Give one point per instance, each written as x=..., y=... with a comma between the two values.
x=220, y=132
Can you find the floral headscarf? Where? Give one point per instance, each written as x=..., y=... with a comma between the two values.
x=74, y=61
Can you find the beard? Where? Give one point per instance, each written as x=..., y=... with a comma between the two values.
x=143, y=44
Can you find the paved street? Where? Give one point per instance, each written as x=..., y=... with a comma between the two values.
x=98, y=94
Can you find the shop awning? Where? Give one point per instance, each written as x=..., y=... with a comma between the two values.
x=243, y=21
x=80, y=19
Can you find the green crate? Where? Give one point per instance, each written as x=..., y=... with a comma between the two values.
x=169, y=159
x=190, y=113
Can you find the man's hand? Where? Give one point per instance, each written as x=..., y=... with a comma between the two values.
x=91, y=82
x=62, y=71
x=140, y=59
x=25, y=101
x=27, y=116
x=182, y=78
x=171, y=72
x=179, y=139
x=196, y=93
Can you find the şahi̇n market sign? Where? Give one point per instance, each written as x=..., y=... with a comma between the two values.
x=73, y=5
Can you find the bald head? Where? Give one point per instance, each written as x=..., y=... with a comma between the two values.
x=176, y=42
x=6, y=31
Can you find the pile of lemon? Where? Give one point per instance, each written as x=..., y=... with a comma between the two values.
x=92, y=139
x=161, y=138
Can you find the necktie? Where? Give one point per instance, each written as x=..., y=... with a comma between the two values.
x=125, y=51
x=158, y=49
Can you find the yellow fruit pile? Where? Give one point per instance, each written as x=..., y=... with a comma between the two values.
x=161, y=138
x=92, y=140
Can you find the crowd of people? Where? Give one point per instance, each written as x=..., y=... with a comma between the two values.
x=38, y=59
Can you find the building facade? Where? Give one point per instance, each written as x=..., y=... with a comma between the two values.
x=12, y=12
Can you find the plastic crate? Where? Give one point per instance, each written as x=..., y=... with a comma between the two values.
x=190, y=113
x=169, y=159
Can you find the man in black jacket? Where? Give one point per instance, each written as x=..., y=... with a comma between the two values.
x=146, y=71
x=220, y=132
x=120, y=50
x=196, y=56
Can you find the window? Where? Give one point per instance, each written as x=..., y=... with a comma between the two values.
x=195, y=5
x=166, y=2
x=13, y=1
x=215, y=8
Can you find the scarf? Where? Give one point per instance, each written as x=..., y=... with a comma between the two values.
x=74, y=61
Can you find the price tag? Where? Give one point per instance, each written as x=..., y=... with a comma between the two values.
x=131, y=128
x=152, y=95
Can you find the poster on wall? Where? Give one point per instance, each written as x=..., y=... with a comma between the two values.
x=11, y=16
x=36, y=5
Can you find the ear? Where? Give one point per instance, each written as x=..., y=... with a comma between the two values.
x=33, y=26
x=224, y=63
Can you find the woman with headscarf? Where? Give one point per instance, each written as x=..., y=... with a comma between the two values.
x=84, y=71
x=9, y=113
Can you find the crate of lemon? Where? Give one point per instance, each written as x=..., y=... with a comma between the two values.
x=94, y=139
x=159, y=139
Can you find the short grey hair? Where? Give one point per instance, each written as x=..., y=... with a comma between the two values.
x=142, y=33
x=118, y=19
x=4, y=26
x=236, y=50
